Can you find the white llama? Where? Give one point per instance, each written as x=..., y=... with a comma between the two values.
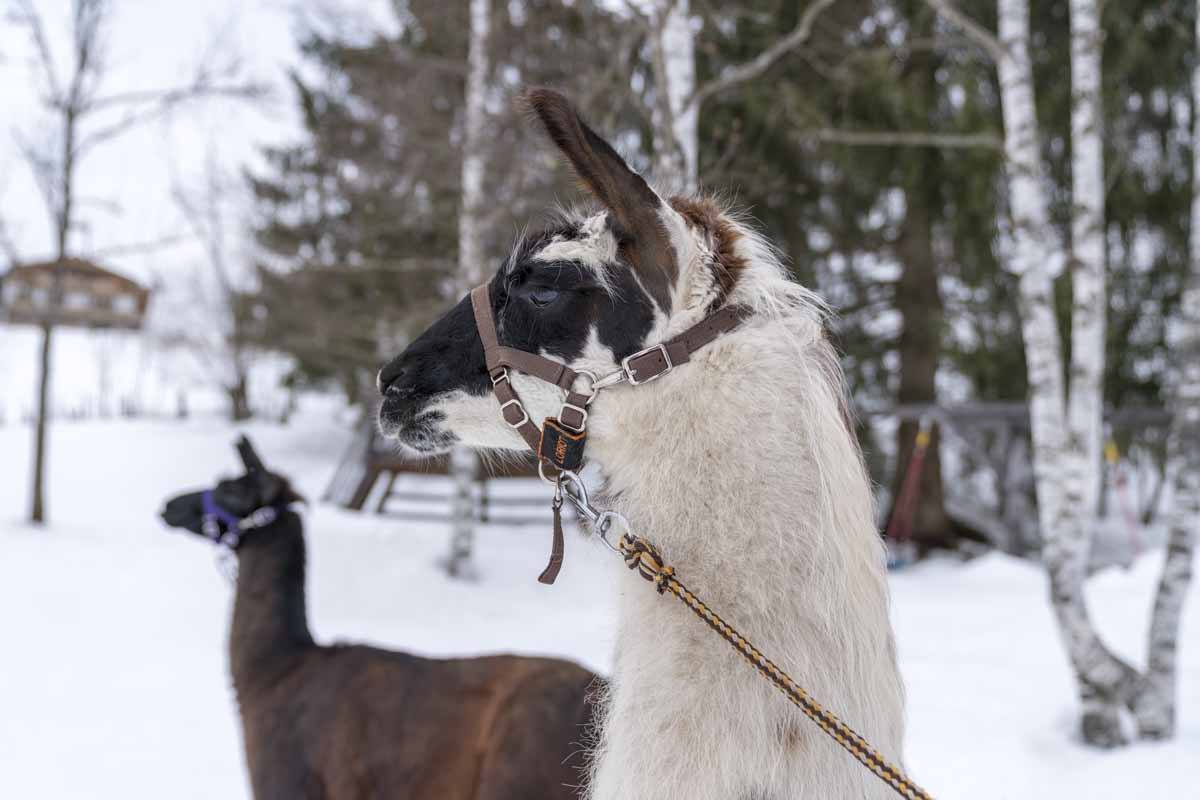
x=740, y=465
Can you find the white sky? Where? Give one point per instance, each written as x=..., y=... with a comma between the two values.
x=152, y=44
x=126, y=184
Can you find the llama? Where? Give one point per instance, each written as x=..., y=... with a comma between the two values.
x=349, y=722
x=740, y=465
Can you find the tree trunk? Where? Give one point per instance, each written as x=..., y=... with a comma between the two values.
x=676, y=121
x=471, y=266
x=1060, y=458
x=919, y=302
x=37, y=502
x=1085, y=410
x=239, y=400
x=1156, y=710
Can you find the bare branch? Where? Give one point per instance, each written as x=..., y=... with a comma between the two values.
x=638, y=16
x=28, y=16
x=137, y=248
x=989, y=141
x=7, y=245
x=756, y=66
x=88, y=19
x=152, y=96
x=990, y=43
x=163, y=105
x=45, y=174
x=206, y=221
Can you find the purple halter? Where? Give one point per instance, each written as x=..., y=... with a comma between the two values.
x=216, y=518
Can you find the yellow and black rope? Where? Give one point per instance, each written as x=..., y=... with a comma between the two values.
x=643, y=557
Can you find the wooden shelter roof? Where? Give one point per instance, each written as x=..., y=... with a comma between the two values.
x=92, y=296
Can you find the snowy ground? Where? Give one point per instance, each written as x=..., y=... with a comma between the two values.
x=112, y=673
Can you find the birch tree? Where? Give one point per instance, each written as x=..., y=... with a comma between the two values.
x=85, y=117
x=676, y=120
x=1065, y=413
x=1156, y=710
x=678, y=100
x=471, y=265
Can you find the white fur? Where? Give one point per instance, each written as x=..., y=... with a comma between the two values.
x=740, y=467
x=595, y=248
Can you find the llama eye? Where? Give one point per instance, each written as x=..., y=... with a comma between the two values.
x=542, y=297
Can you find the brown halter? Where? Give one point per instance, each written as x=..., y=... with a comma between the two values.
x=642, y=367
x=560, y=442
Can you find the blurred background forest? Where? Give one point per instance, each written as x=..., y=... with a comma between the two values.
x=870, y=153
x=866, y=140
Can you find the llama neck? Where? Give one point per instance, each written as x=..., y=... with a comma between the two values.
x=741, y=469
x=270, y=621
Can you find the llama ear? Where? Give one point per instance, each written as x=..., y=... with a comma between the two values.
x=250, y=459
x=635, y=209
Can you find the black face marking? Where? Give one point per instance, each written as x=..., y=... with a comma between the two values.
x=539, y=307
x=623, y=323
x=446, y=357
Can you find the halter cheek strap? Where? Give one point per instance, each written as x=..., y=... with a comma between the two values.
x=500, y=359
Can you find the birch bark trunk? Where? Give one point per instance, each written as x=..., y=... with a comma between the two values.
x=471, y=267
x=1155, y=711
x=470, y=234
x=676, y=140
x=1065, y=457
x=1085, y=410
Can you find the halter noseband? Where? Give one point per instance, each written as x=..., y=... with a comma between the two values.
x=226, y=528
x=561, y=440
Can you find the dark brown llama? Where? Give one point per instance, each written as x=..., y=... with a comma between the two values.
x=348, y=722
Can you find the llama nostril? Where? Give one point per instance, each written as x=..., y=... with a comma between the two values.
x=387, y=377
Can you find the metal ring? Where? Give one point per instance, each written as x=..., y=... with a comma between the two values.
x=591, y=387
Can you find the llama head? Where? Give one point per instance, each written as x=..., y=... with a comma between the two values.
x=238, y=497
x=588, y=290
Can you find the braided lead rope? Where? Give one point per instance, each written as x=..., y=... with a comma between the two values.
x=643, y=557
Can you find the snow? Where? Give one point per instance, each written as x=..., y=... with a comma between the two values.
x=113, y=680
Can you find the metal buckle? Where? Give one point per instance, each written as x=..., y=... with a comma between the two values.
x=503, y=376
x=582, y=423
x=524, y=414
x=628, y=360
